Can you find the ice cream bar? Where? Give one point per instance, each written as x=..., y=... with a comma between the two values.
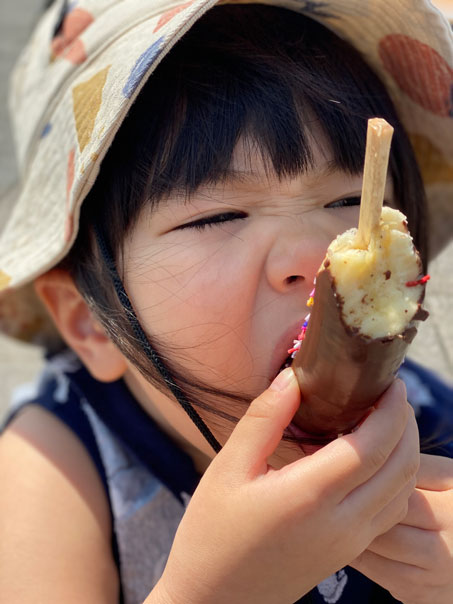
x=367, y=302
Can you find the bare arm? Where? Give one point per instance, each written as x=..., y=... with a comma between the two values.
x=55, y=527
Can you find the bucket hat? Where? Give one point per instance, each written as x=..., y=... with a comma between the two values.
x=86, y=63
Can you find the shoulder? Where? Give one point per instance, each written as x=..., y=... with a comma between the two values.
x=53, y=502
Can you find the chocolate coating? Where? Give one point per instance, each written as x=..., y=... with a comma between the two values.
x=342, y=373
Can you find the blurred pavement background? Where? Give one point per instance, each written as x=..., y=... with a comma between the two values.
x=20, y=363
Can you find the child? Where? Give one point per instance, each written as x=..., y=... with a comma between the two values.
x=217, y=154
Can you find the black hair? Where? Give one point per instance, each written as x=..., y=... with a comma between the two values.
x=242, y=71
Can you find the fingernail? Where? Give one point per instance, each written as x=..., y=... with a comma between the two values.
x=283, y=380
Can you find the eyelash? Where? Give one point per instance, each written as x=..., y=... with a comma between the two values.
x=344, y=203
x=212, y=221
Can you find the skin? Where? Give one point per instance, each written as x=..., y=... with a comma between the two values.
x=235, y=290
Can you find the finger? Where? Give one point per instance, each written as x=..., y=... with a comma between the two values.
x=396, y=577
x=428, y=510
x=351, y=460
x=400, y=469
x=260, y=430
x=392, y=514
x=435, y=473
x=410, y=545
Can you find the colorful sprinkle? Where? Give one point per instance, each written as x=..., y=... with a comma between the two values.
x=421, y=281
x=303, y=329
x=295, y=348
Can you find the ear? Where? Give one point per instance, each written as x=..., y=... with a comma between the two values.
x=78, y=326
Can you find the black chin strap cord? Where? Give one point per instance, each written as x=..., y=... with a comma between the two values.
x=152, y=355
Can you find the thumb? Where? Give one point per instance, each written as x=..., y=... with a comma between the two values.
x=260, y=430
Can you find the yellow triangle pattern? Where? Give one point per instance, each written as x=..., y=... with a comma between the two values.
x=87, y=100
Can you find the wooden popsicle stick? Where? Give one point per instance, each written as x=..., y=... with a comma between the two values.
x=378, y=141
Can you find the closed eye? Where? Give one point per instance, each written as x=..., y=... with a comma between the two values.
x=344, y=203
x=211, y=221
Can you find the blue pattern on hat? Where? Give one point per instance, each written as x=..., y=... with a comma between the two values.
x=315, y=7
x=45, y=131
x=141, y=66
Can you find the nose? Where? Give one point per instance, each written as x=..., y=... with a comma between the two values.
x=296, y=255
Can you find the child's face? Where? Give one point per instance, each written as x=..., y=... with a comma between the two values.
x=223, y=279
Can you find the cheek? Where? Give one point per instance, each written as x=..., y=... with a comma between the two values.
x=188, y=298
x=167, y=277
